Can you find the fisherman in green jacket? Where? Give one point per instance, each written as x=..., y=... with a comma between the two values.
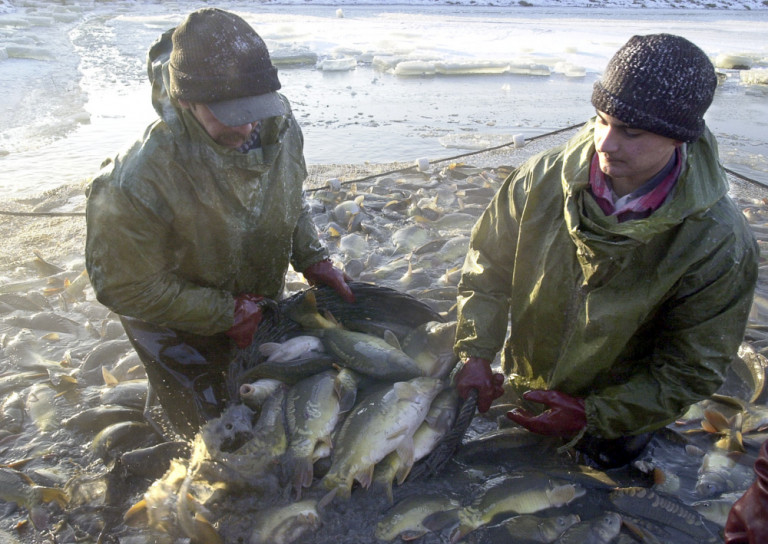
x=190, y=232
x=622, y=268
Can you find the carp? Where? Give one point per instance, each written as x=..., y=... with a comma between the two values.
x=312, y=409
x=382, y=422
x=364, y=353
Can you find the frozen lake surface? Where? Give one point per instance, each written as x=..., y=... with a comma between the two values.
x=73, y=87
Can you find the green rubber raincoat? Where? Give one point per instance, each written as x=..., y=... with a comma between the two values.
x=640, y=318
x=178, y=224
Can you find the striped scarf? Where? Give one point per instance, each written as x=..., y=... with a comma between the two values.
x=253, y=141
x=640, y=203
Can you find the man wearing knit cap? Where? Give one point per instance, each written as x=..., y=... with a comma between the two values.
x=622, y=268
x=190, y=232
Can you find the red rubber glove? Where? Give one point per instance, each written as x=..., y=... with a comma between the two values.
x=564, y=418
x=476, y=374
x=248, y=316
x=325, y=273
x=748, y=519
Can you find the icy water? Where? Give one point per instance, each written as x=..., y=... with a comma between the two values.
x=74, y=86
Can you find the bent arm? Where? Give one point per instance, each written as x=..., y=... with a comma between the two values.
x=128, y=257
x=695, y=343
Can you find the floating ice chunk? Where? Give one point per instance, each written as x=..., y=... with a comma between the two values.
x=293, y=56
x=476, y=141
x=384, y=63
x=529, y=69
x=464, y=67
x=733, y=62
x=337, y=65
x=415, y=68
x=570, y=70
x=756, y=76
x=28, y=52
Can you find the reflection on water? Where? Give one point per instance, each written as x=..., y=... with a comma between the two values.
x=362, y=115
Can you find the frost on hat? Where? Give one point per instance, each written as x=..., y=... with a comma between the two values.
x=660, y=83
x=219, y=60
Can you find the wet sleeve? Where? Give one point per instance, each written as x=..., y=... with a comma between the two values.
x=128, y=245
x=486, y=278
x=699, y=335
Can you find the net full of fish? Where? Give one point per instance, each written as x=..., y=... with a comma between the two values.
x=69, y=375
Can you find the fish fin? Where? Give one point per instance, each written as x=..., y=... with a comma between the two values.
x=39, y=517
x=391, y=339
x=365, y=476
x=305, y=313
x=327, y=498
x=404, y=391
x=205, y=532
x=136, y=515
x=52, y=494
x=403, y=472
x=405, y=451
x=715, y=420
x=302, y=473
x=109, y=378
x=268, y=348
x=345, y=387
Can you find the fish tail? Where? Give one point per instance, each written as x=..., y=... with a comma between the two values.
x=305, y=313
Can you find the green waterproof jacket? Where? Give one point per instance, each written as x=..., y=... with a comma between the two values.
x=640, y=318
x=178, y=224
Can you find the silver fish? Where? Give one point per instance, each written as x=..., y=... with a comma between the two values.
x=285, y=524
x=405, y=518
x=524, y=494
x=293, y=348
x=534, y=528
x=364, y=353
x=601, y=530
x=438, y=421
x=669, y=511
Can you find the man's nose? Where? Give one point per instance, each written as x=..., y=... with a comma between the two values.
x=607, y=140
x=244, y=130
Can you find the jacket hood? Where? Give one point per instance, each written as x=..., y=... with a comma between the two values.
x=158, y=58
x=701, y=184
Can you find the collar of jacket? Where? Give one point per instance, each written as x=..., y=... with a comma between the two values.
x=701, y=183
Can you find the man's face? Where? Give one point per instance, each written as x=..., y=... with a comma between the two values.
x=630, y=156
x=222, y=134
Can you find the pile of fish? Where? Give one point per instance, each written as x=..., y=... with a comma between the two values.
x=321, y=448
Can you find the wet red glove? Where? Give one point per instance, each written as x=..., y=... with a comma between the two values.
x=476, y=373
x=565, y=416
x=748, y=519
x=325, y=273
x=248, y=316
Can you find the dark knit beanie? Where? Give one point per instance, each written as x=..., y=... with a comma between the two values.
x=660, y=83
x=217, y=57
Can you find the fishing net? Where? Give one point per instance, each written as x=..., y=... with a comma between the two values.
x=376, y=308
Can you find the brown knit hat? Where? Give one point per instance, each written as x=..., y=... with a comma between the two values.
x=219, y=60
x=660, y=83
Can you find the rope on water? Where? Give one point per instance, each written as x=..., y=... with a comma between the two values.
x=390, y=172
